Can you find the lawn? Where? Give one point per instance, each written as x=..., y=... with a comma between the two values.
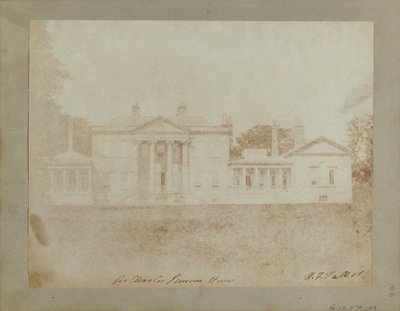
x=254, y=245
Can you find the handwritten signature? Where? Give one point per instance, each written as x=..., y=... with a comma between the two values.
x=313, y=275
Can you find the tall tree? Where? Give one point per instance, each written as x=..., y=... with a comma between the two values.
x=47, y=123
x=360, y=131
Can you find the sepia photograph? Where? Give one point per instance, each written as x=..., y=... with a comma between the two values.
x=200, y=153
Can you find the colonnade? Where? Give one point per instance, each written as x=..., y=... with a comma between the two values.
x=184, y=164
x=261, y=178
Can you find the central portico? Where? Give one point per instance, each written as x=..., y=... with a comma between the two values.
x=163, y=160
x=163, y=167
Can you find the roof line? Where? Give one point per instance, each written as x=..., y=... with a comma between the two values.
x=314, y=142
x=162, y=119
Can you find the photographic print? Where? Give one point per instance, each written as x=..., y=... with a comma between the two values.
x=200, y=153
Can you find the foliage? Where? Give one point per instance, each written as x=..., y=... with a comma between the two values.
x=260, y=136
x=360, y=131
x=45, y=117
x=48, y=124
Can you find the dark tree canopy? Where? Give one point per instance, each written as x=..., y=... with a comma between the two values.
x=360, y=131
x=260, y=136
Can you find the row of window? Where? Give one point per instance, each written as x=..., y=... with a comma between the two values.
x=321, y=177
x=121, y=176
x=276, y=179
x=70, y=180
x=123, y=149
x=206, y=180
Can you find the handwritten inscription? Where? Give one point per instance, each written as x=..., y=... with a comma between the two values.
x=313, y=275
x=176, y=279
x=352, y=307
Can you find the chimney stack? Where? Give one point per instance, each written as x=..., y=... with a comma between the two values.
x=136, y=111
x=298, y=133
x=274, y=139
x=182, y=110
x=226, y=120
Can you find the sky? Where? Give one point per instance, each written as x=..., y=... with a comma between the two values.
x=318, y=72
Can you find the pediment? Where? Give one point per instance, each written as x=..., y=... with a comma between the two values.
x=323, y=147
x=320, y=146
x=160, y=126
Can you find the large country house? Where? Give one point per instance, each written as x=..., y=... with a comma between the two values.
x=185, y=160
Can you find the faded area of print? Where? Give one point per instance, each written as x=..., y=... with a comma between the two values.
x=164, y=187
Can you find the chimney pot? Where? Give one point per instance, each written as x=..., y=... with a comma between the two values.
x=226, y=120
x=182, y=110
x=298, y=133
x=136, y=111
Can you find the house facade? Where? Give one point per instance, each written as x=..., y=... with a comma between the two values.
x=184, y=159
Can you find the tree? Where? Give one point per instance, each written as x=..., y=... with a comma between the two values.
x=260, y=136
x=47, y=123
x=360, y=131
x=82, y=136
x=45, y=116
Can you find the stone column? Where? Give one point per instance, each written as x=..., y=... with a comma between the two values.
x=170, y=145
x=151, y=166
x=256, y=179
x=185, y=166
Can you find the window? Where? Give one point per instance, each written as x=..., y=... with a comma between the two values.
x=248, y=181
x=162, y=179
x=71, y=180
x=261, y=178
x=106, y=178
x=314, y=171
x=249, y=177
x=331, y=177
x=197, y=180
x=84, y=180
x=58, y=180
x=124, y=177
x=273, y=178
x=215, y=181
x=286, y=178
x=236, y=178
x=323, y=198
